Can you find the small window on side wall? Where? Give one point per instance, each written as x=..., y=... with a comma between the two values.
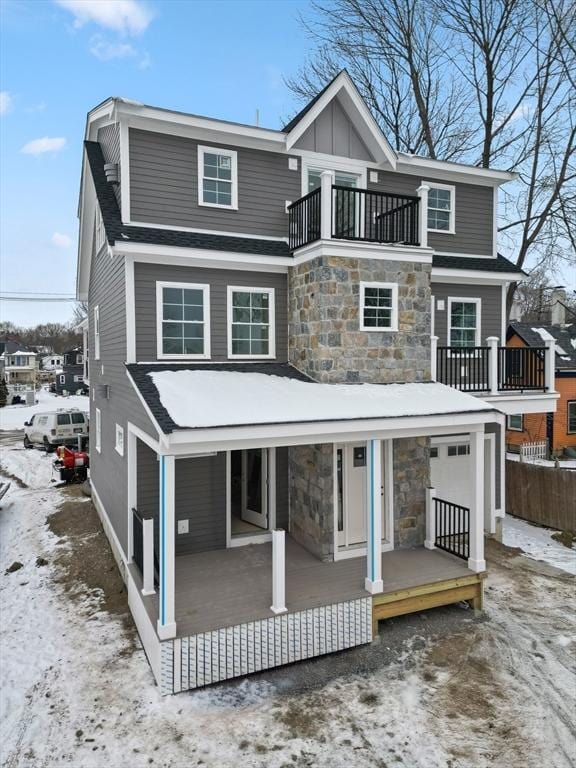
x=378, y=306
x=571, y=408
x=251, y=327
x=183, y=320
x=516, y=422
x=119, y=440
x=217, y=177
x=441, y=208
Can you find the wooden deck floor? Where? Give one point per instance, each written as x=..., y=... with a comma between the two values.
x=232, y=586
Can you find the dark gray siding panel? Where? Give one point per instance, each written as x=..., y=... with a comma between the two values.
x=164, y=187
x=108, y=469
x=282, y=499
x=109, y=140
x=333, y=133
x=474, y=213
x=491, y=308
x=146, y=275
x=148, y=480
x=201, y=499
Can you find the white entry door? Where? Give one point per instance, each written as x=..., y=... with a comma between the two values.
x=352, y=495
x=255, y=487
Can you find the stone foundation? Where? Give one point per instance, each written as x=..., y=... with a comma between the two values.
x=311, y=498
x=411, y=479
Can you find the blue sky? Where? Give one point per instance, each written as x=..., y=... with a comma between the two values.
x=58, y=59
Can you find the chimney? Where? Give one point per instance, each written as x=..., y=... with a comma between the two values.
x=516, y=310
x=558, y=314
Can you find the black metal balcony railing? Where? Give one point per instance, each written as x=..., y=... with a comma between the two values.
x=452, y=528
x=137, y=541
x=521, y=368
x=464, y=368
x=356, y=214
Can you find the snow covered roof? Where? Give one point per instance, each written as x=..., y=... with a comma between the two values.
x=225, y=396
x=536, y=334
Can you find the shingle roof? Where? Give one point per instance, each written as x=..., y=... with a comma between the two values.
x=499, y=264
x=296, y=119
x=564, y=335
x=139, y=373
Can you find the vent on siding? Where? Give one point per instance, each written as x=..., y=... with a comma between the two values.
x=111, y=171
x=104, y=391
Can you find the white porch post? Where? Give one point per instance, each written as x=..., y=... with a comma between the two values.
x=278, y=572
x=476, y=560
x=373, y=582
x=166, y=619
x=550, y=367
x=430, y=541
x=493, y=342
x=326, y=181
x=131, y=466
x=148, y=556
x=434, y=358
x=422, y=192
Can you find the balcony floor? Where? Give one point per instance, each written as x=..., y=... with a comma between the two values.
x=225, y=587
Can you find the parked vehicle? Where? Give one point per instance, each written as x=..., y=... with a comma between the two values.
x=56, y=428
x=72, y=465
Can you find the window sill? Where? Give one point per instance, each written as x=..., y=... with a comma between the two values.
x=217, y=205
x=394, y=329
x=442, y=231
x=251, y=357
x=183, y=357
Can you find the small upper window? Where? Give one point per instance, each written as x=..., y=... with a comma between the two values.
x=572, y=416
x=441, y=201
x=250, y=322
x=378, y=306
x=516, y=422
x=119, y=440
x=97, y=332
x=464, y=316
x=217, y=177
x=100, y=234
x=183, y=320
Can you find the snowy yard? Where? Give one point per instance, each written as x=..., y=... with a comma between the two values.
x=12, y=417
x=437, y=690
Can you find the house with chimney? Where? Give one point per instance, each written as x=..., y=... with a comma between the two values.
x=299, y=378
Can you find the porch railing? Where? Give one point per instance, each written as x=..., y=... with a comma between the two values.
x=144, y=551
x=522, y=368
x=452, y=525
x=465, y=368
x=304, y=220
x=138, y=540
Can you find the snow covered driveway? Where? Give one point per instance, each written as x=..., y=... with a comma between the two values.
x=438, y=690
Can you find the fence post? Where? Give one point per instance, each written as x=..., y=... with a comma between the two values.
x=422, y=193
x=326, y=181
x=493, y=342
x=430, y=541
x=148, y=556
x=434, y=358
x=550, y=365
x=278, y=572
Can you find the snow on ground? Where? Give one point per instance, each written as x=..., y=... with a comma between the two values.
x=563, y=463
x=538, y=544
x=13, y=416
x=435, y=690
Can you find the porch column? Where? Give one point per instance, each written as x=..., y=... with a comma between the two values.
x=493, y=342
x=373, y=582
x=422, y=193
x=326, y=181
x=166, y=619
x=476, y=560
x=434, y=358
x=550, y=366
x=430, y=541
x=131, y=465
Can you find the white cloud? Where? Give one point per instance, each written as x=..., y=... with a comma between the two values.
x=62, y=241
x=41, y=146
x=6, y=102
x=105, y=50
x=129, y=17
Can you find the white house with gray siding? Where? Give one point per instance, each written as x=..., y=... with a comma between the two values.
x=299, y=379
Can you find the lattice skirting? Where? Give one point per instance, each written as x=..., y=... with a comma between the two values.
x=210, y=657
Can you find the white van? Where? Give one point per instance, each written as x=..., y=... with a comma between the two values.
x=60, y=427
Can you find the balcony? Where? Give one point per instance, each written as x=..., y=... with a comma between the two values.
x=333, y=212
x=495, y=370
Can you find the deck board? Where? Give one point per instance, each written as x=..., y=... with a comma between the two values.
x=225, y=587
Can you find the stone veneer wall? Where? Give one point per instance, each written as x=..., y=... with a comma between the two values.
x=311, y=498
x=411, y=479
x=325, y=340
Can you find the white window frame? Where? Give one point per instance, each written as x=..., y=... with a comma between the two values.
x=509, y=422
x=570, y=404
x=394, y=319
x=119, y=446
x=98, y=430
x=205, y=288
x=233, y=155
x=62, y=379
x=271, y=322
x=452, y=224
x=97, y=332
x=465, y=300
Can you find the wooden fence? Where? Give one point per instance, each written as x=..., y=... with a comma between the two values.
x=543, y=495
x=530, y=451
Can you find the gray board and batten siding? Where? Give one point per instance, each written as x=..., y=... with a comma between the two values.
x=109, y=139
x=164, y=186
x=146, y=276
x=490, y=308
x=333, y=133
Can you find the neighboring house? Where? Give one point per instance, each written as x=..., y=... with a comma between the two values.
x=557, y=428
x=52, y=362
x=70, y=379
x=288, y=330
x=18, y=365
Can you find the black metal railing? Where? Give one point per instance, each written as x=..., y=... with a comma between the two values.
x=374, y=217
x=452, y=528
x=304, y=220
x=464, y=368
x=522, y=368
x=138, y=540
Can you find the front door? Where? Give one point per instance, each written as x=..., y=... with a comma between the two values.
x=254, y=487
x=352, y=496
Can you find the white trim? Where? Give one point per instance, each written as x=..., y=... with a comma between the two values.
x=98, y=430
x=198, y=230
x=442, y=169
x=317, y=162
x=467, y=300
x=353, y=249
x=231, y=289
x=124, y=172
x=527, y=402
x=149, y=414
x=495, y=222
x=202, y=257
x=205, y=288
x=479, y=277
x=509, y=425
x=233, y=155
x=96, y=316
x=119, y=444
x=503, y=314
x=394, y=313
x=130, y=300
x=452, y=189
x=269, y=481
